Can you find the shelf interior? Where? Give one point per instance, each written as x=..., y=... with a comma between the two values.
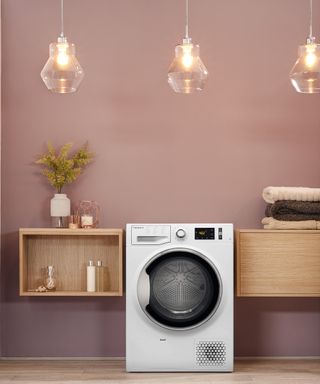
x=69, y=254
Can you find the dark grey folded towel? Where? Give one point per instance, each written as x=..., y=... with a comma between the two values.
x=291, y=210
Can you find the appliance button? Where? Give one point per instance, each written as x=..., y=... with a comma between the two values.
x=181, y=233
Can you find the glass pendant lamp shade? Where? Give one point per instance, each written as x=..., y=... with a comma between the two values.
x=62, y=72
x=187, y=73
x=305, y=74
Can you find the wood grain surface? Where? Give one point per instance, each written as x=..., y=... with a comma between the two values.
x=278, y=263
x=69, y=252
x=98, y=372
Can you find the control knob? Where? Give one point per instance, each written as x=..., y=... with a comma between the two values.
x=181, y=233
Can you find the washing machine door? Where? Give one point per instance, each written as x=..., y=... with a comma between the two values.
x=179, y=289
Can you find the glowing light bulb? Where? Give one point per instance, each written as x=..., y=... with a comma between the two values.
x=62, y=57
x=311, y=58
x=187, y=57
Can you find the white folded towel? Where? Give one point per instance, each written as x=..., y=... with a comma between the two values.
x=273, y=194
x=271, y=223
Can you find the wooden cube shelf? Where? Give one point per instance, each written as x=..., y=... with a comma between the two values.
x=69, y=251
x=278, y=262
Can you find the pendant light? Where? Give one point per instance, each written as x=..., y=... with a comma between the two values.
x=187, y=73
x=62, y=72
x=305, y=74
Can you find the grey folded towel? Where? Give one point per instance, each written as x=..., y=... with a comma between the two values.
x=291, y=210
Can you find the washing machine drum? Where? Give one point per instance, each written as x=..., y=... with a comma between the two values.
x=184, y=289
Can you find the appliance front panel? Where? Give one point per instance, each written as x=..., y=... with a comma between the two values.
x=207, y=347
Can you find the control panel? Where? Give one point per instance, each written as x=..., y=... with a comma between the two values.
x=152, y=234
x=208, y=233
x=204, y=233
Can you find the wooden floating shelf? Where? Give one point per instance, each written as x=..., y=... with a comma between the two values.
x=69, y=251
x=278, y=263
x=70, y=293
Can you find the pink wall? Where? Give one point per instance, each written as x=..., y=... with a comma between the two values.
x=159, y=156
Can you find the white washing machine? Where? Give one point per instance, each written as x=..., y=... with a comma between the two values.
x=179, y=297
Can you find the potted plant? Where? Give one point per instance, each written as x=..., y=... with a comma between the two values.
x=61, y=168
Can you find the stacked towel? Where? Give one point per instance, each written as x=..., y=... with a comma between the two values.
x=273, y=194
x=292, y=208
x=271, y=223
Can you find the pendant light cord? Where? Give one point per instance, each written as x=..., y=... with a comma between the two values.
x=187, y=19
x=310, y=21
x=62, y=19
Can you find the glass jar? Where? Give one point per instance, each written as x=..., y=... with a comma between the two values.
x=89, y=212
x=50, y=281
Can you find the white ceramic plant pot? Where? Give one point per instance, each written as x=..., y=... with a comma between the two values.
x=60, y=210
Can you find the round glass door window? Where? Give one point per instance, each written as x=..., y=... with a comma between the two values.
x=184, y=289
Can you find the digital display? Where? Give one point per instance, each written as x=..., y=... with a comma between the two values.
x=204, y=233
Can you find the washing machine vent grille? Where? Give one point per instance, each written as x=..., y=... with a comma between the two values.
x=210, y=353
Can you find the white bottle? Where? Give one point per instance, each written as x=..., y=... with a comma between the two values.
x=91, y=277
